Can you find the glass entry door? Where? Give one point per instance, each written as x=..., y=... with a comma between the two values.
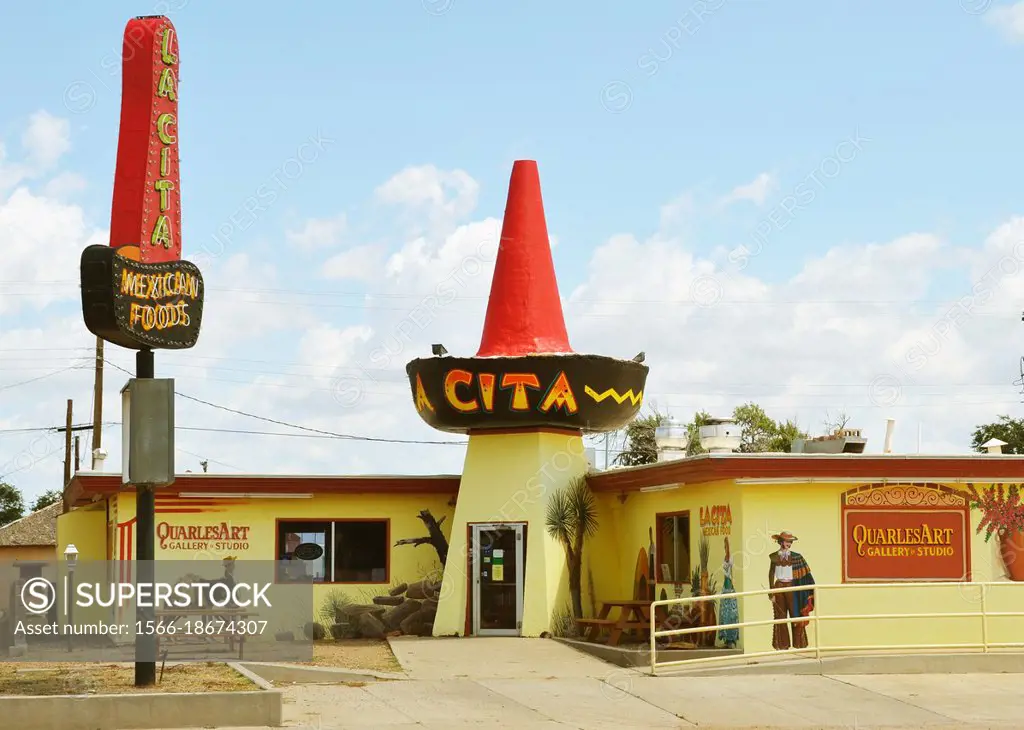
x=498, y=569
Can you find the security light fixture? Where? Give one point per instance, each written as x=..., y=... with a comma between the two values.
x=438, y=350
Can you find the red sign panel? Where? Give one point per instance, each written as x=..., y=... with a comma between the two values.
x=145, y=222
x=906, y=544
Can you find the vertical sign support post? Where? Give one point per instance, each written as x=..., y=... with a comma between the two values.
x=138, y=293
x=145, y=550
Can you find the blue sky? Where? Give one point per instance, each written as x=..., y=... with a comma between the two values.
x=719, y=92
x=755, y=87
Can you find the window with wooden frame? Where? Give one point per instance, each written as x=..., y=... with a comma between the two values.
x=673, y=548
x=352, y=551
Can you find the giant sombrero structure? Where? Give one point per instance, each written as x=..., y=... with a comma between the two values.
x=525, y=373
x=525, y=399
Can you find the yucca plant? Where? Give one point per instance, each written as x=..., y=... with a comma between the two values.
x=704, y=546
x=571, y=518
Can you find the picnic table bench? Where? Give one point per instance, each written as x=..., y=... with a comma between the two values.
x=215, y=623
x=633, y=616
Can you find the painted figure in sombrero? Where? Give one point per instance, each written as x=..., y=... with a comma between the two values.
x=788, y=568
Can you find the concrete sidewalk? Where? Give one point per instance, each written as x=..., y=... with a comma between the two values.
x=539, y=683
x=627, y=700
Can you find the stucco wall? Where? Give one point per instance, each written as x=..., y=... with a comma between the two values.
x=812, y=512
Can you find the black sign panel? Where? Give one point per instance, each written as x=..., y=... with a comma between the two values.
x=307, y=551
x=137, y=305
x=587, y=392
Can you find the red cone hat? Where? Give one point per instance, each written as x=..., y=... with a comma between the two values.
x=524, y=312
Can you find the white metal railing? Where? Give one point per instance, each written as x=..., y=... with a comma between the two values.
x=815, y=618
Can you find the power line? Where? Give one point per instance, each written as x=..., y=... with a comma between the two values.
x=332, y=434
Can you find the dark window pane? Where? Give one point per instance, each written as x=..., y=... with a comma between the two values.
x=361, y=552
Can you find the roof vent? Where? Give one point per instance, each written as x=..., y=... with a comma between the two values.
x=721, y=436
x=994, y=446
x=672, y=438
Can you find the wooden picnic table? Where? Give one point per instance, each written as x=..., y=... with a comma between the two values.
x=633, y=616
x=170, y=617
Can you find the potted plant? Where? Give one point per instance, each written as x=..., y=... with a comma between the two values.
x=1002, y=514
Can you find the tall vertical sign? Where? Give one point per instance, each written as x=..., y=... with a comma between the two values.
x=137, y=292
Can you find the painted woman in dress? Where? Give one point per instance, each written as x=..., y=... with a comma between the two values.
x=728, y=610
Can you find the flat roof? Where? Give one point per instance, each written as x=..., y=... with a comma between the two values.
x=801, y=467
x=87, y=486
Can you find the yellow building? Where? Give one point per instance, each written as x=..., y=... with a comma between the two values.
x=872, y=523
x=833, y=504
x=355, y=521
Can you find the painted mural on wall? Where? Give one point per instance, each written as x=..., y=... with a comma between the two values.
x=789, y=568
x=908, y=532
x=1002, y=515
x=728, y=608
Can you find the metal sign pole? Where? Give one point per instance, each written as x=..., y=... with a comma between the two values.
x=145, y=551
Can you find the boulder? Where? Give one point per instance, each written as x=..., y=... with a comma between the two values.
x=423, y=589
x=388, y=600
x=420, y=623
x=344, y=631
x=348, y=614
x=314, y=631
x=431, y=604
x=370, y=627
x=398, y=590
x=394, y=617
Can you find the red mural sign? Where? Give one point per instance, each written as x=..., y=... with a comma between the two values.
x=906, y=544
x=145, y=220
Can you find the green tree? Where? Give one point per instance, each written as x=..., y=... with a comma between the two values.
x=761, y=433
x=572, y=517
x=641, y=446
x=1010, y=430
x=12, y=506
x=46, y=499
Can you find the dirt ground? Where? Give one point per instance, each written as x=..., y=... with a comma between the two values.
x=368, y=654
x=38, y=678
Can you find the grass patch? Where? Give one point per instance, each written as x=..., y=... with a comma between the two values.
x=38, y=678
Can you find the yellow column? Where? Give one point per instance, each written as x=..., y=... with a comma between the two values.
x=508, y=478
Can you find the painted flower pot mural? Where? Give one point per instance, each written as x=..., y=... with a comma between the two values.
x=1002, y=514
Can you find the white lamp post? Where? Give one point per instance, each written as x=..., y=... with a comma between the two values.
x=71, y=558
x=672, y=439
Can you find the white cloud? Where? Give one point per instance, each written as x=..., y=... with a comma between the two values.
x=47, y=138
x=65, y=184
x=360, y=263
x=1009, y=19
x=756, y=191
x=319, y=232
x=442, y=196
x=42, y=241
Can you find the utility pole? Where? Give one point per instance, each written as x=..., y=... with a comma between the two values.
x=67, y=447
x=78, y=459
x=97, y=409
